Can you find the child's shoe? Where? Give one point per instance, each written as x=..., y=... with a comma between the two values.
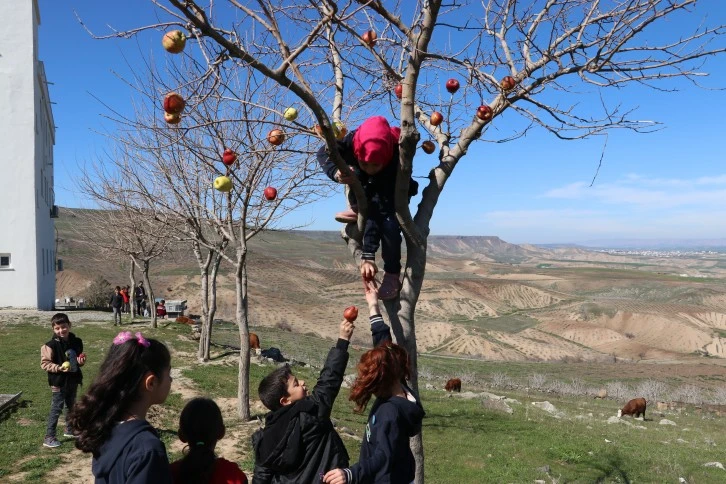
x=347, y=216
x=389, y=287
x=51, y=442
x=68, y=433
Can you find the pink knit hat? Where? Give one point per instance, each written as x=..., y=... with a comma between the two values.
x=374, y=141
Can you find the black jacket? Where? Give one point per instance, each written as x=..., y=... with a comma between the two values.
x=133, y=455
x=59, y=348
x=116, y=301
x=299, y=442
x=380, y=189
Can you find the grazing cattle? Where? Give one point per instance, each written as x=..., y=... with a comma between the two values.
x=453, y=385
x=254, y=342
x=634, y=408
x=185, y=320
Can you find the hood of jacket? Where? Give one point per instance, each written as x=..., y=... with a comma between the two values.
x=410, y=414
x=279, y=444
x=114, y=447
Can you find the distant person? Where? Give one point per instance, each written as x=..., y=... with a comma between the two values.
x=385, y=455
x=299, y=443
x=117, y=303
x=140, y=296
x=371, y=152
x=200, y=427
x=109, y=421
x=126, y=298
x=161, y=309
x=145, y=305
x=61, y=358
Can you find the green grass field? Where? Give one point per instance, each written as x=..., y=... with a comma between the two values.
x=466, y=440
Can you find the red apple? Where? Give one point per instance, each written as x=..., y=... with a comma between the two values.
x=172, y=118
x=484, y=112
x=270, y=193
x=174, y=41
x=229, y=157
x=452, y=85
x=370, y=38
x=428, y=146
x=508, y=83
x=174, y=103
x=436, y=118
x=350, y=313
x=318, y=130
x=276, y=137
x=399, y=91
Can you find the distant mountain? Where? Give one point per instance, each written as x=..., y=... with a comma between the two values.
x=488, y=247
x=658, y=244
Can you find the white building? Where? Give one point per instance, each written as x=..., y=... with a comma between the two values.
x=27, y=136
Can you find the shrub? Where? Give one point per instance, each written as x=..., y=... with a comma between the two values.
x=500, y=380
x=629, y=335
x=651, y=390
x=537, y=381
x=688, y=394
x=618, y=390
x=283, y=325
x=719, y=396
x=97, y=294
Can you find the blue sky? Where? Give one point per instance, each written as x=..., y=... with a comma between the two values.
x=668, y=184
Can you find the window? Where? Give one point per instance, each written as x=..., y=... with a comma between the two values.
x=5, y=261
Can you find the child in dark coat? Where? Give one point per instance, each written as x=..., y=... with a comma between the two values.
x=299, y=443
x=371, y=152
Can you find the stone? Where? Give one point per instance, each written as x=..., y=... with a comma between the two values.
x=714, y=464
x=665, y=421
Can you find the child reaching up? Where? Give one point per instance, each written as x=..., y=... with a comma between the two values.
x=200, y=427
x=110, y=420
x=385, y=455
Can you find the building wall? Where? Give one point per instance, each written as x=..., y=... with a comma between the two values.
x=27, y=136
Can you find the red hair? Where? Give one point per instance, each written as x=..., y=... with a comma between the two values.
x=378, y=370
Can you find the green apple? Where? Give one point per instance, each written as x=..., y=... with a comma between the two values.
x=290, y=114
x=223, y=184
x=66, y=365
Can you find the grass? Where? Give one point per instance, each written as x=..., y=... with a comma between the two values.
x=466, y=440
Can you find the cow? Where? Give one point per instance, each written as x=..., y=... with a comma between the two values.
x=185, y=320
x=634, y=408
x=254, y=342
x=453, y=385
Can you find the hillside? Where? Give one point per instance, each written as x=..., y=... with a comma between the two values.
x=483, y=297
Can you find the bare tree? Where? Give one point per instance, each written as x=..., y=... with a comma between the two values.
x=530, y=57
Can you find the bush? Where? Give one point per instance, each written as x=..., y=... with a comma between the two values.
x=618, y=390
x=687, y=394
x=537, y=381
x=651, y=390
x=283, y=325
x=719, y=396
x=97, y=294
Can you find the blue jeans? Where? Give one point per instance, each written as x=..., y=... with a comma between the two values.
x=116, y=316
x=384, y=229
x=66, y=395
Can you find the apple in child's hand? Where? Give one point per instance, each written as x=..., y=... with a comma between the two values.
x=350, y=313
x=66, y=365
x=270, y=193
x=436, y=118
x=452, y=85
x=174, y=41
x=229, y=157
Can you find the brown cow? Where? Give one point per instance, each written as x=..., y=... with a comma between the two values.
x=634, y=408
x=254, y=342
x=453, y=385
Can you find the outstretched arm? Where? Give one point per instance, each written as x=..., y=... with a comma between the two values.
x=379, y=329
x=331, y=376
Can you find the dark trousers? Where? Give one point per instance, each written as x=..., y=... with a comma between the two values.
x=116, y=316
x=65, y=396
x=384, y=229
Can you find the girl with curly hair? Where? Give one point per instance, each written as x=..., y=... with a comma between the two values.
x=110, y=420
x=396, y=413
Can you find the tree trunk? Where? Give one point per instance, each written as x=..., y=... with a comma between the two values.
x=204, y=262
x=132, y=296
x=149, y=293
x=243, y=383
x=212, y=301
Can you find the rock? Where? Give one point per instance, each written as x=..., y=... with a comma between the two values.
x=714, y=464
x=608, y=441
x=545, y=469
x=547, y=407
x=618, y=420
x=512, y=401
x=348, y=380
x=665, y=421
x=602, y=393
x=468, y=395
x=429, y=386
x=681, y=441
x=682, y=481
x=498, y=405
x=539, y=481
x=642, y=427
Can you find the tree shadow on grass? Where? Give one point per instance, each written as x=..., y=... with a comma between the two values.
x=610, y=467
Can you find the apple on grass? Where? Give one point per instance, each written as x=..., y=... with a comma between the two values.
x=174, y=41
x=436, y=118
x=223, y=184
x=270, y=193
x=229, y=157
x=350, y=313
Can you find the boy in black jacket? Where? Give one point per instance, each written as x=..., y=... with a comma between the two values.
x=371, y=152
x=62, y=358
x=299, y=443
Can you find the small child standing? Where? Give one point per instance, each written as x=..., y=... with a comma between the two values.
x=110, y=420
x=299, y=442
x=117, y=304
x=200, y=427
x=62, y=358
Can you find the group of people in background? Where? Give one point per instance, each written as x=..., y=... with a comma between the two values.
x=120, y=301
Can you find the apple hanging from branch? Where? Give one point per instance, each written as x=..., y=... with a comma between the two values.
x=270, y=193
x=172, y=118
x=436, y=118
x=484, y=112
x=275, y=137
x=290, y=114
x=428, y=146
x=452, y=85
x=229, y=157
x=223, y=184
x=370, y=38
x=508, y=83
x=174, y=41
x=174, y=103
x=339, y=129
x=399, y=91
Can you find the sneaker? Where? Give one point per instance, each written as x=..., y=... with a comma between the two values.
x=347, y=216
x=51, y=442
x=69, y=434
x=389, y=287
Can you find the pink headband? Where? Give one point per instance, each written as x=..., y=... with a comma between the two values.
x=125, y=336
